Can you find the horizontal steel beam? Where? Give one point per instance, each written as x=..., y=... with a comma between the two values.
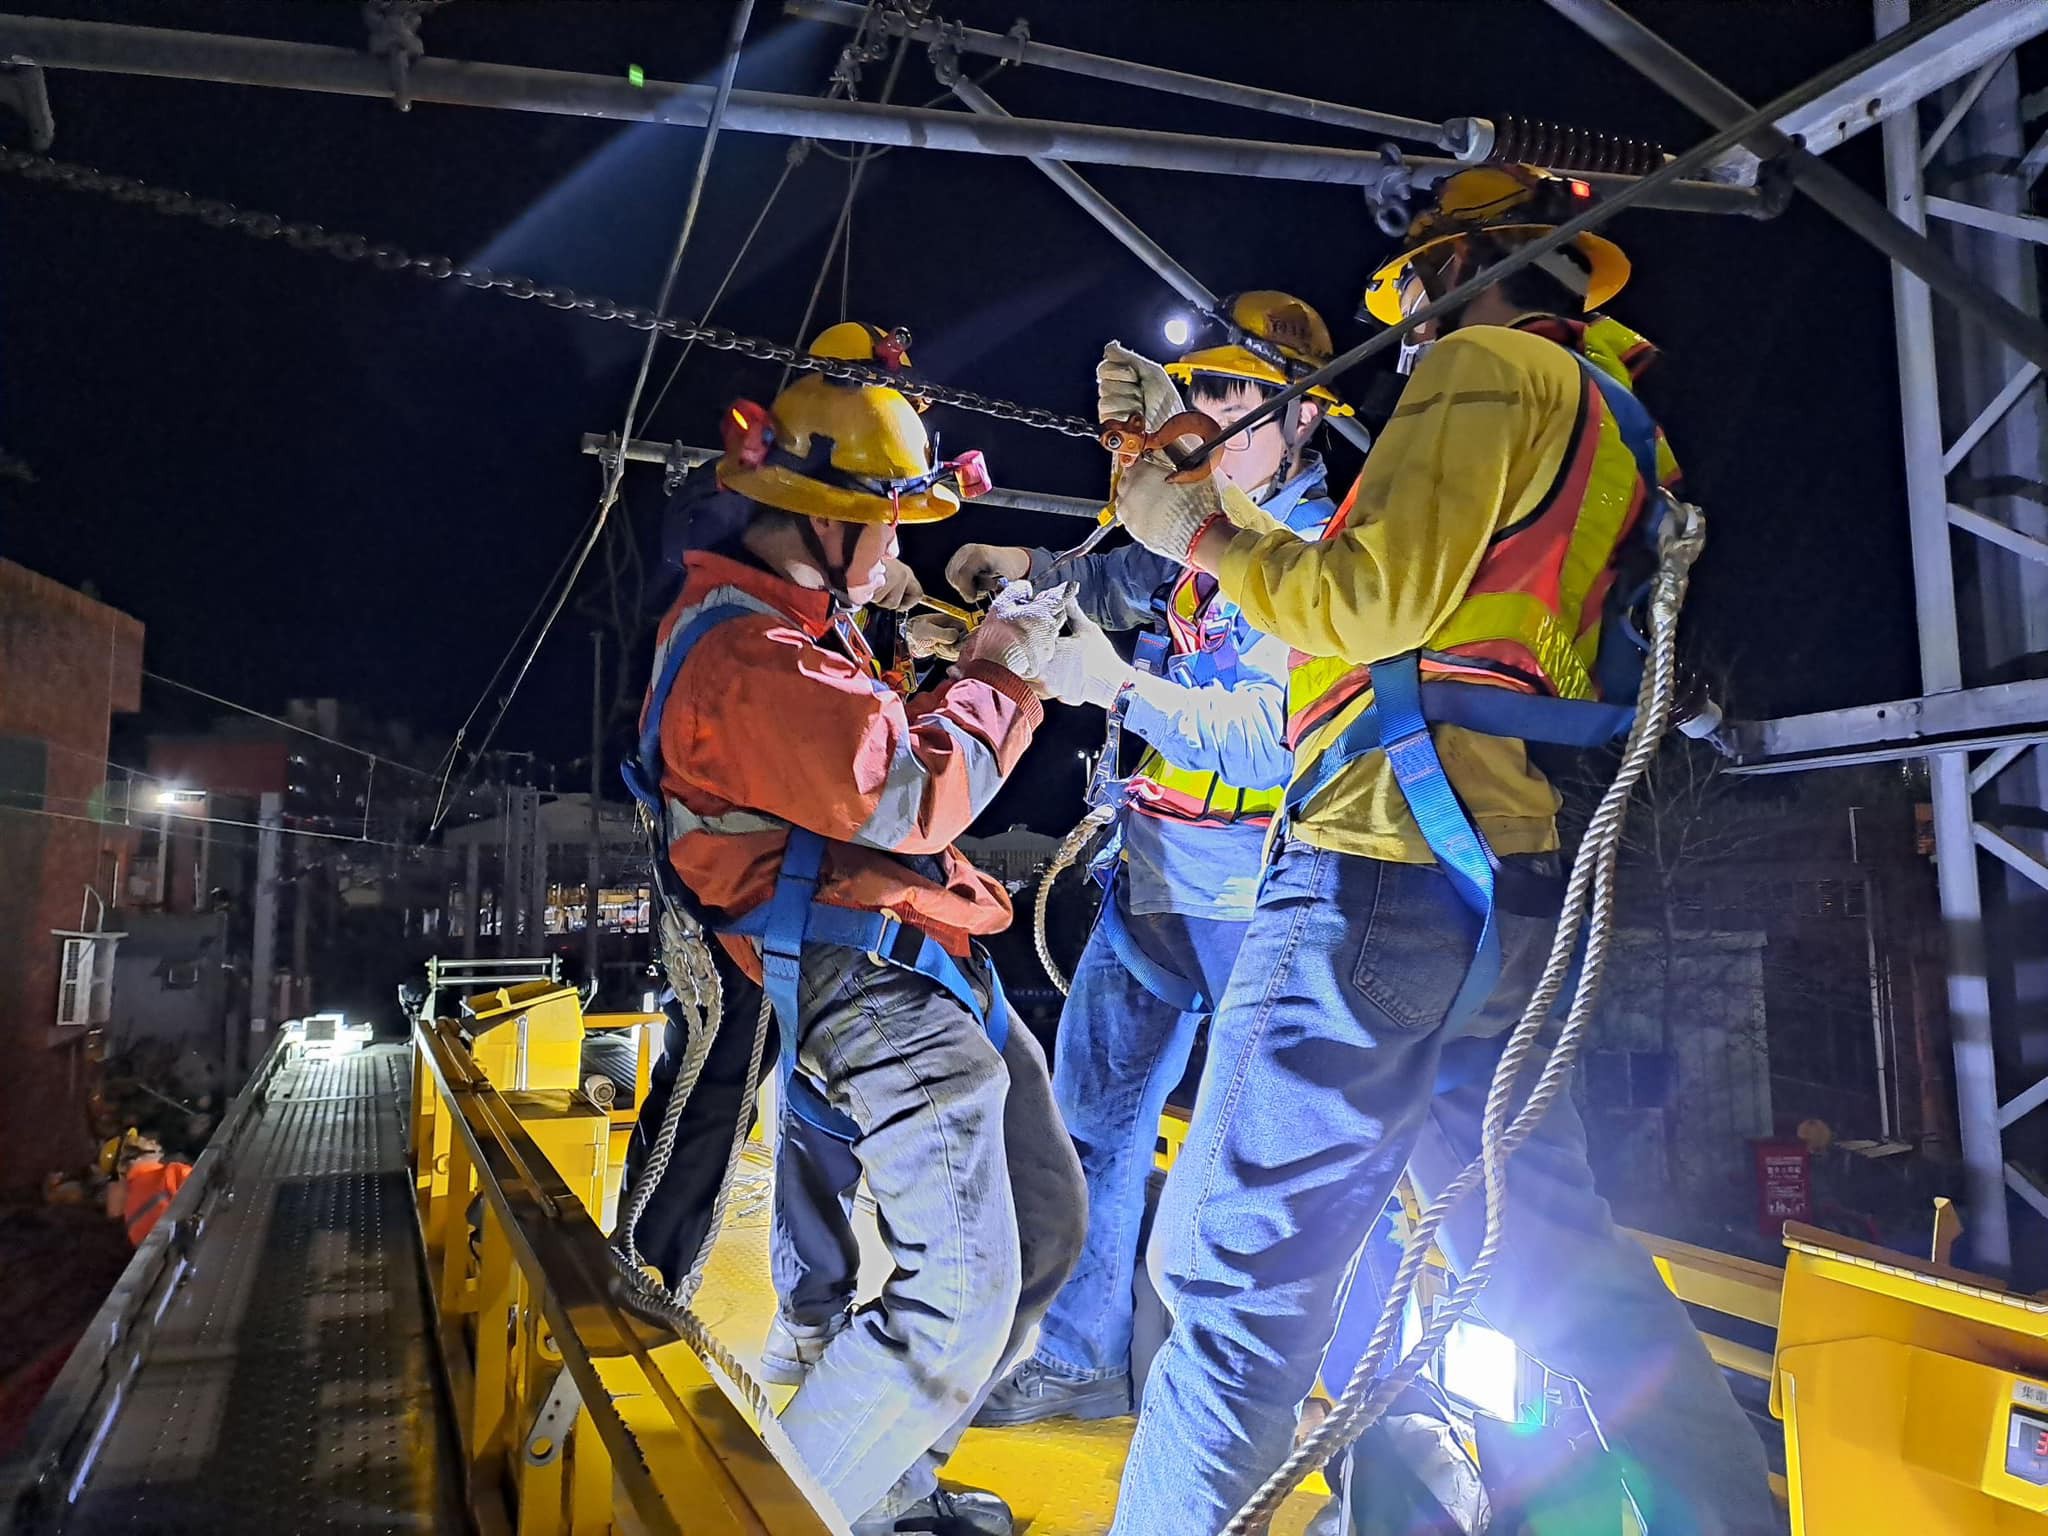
x=681, y=456
x=171, y=54
x=1915, y=72
x=1463, y=136
x=1967, y=719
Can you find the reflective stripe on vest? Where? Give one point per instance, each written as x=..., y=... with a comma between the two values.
x=1530, y=620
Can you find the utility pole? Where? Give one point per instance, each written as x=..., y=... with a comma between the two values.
x=472, y=897
x=594, y=864
x=263, y=956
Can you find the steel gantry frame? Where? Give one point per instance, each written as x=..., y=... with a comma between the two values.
x=1974, y=425
x=1974, y=418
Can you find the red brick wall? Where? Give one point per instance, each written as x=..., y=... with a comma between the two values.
x=67, y=664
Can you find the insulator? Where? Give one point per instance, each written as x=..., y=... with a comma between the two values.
x=1560, y=147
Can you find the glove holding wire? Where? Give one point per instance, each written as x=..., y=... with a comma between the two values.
x=1164, y=515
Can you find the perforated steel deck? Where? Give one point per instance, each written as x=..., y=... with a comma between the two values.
x=291, y=1383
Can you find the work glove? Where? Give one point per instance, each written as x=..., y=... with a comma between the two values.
x=900, y=587
x=1085, y=668
x=979, y=569
x=1128, y=385
x=934, y=634
x=1021, y=629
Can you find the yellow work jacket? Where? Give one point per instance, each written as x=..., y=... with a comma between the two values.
x=1479, y=532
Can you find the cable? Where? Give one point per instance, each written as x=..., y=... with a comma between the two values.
x=1589, y=902
x=795, y=157
x=216, y=821
x=853, y=176
x=742, y=12
x=158, y=677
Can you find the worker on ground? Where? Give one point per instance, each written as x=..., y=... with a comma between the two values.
x=809, y=811
x=1478, y=547
x=147, y=1181
x=1209, y=696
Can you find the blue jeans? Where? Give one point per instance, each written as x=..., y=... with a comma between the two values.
x=813, y=1253
x=1119, y=1053
x=979, y=1201
x=1319, y=1089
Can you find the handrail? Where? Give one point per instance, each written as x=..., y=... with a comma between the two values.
x=682, y=1452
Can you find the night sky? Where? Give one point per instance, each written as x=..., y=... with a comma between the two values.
x=313, y=478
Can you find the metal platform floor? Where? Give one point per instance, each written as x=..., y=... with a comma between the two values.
x=290, y=1382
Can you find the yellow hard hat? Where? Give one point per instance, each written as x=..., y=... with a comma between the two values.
x=1514, y=200
x=1277, y=339
x=853, y=452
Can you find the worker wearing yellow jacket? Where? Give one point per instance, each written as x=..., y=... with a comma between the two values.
x=1473, y=560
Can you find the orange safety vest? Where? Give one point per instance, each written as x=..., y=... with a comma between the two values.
x=150, y=1186
x=1531, y=618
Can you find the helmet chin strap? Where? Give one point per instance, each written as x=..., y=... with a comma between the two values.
x=832, y=571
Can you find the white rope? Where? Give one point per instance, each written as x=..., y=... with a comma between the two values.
x=1062, y=860
x=1589, y=900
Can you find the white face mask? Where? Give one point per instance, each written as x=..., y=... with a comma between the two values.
x=1412, y=353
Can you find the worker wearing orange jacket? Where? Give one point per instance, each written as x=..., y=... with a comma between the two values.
x=149, y=1182
x=809, y=813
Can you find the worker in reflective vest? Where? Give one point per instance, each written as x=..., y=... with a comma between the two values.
x=1210, y=707
x=1468, y=562
x=149, y=1182
x=809, y=812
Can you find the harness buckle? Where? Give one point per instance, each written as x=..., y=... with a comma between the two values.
x=899, y=944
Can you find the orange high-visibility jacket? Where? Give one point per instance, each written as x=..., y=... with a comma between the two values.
x=778, y=719
x=151, y=1184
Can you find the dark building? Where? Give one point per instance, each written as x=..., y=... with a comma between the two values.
x=67, y=665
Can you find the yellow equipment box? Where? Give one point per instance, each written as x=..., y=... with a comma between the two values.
x=528, y=1036
x=1914, y=1395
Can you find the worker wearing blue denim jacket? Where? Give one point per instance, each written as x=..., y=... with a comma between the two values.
x=1183, y=894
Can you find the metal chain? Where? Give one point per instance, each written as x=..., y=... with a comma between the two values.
x=304, y=236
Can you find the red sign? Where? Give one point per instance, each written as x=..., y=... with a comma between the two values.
x=1784, y=1184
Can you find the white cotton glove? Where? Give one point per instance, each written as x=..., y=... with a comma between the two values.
x=934, y=634
x=978, y=569
x=1021, y=629
x=900, y=587
x=1128, y=385
x=1164, y=517
x=1085, y=668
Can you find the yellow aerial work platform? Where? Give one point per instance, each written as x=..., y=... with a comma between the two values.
x=348, y=1322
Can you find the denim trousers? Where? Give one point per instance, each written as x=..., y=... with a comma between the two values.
x=813, y=1254
x=979, y=1200
x=1119, y=1053
x=1320, y=1088
x=978, y=1194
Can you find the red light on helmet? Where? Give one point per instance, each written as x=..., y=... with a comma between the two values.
x=749, y=433
x=971, y=476
x=1579, y=189
x=890, y=348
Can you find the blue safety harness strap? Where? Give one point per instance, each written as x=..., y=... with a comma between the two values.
x=1170, y=987
x=1403, y=710
x=793, y=917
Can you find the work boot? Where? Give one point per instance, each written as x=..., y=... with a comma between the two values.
x=793, y=1348
x=949, y=1512
x=1033, y=1392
